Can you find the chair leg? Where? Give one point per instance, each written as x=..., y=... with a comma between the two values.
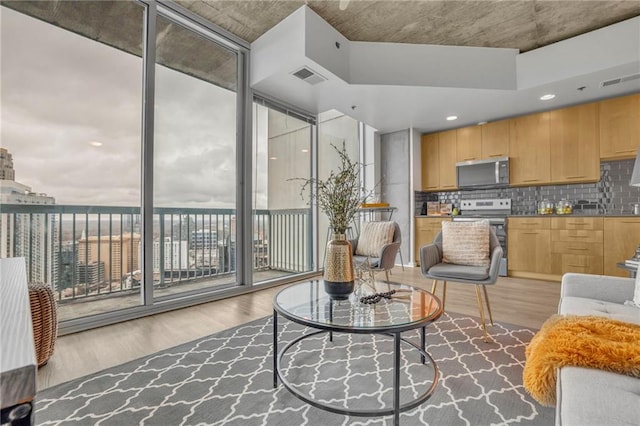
x=434, y=286
x=444, y=294
x=484, y=326
x=486, y=299
x=386, y=272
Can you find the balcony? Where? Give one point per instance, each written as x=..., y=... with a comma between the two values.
x=92, y=258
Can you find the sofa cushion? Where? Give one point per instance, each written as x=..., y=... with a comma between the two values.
x=594, y=397
x=373, y=236
x=585, y=306
x=466, y=243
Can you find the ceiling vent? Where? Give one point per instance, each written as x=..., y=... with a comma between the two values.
x=620, y=80
x=310, y=76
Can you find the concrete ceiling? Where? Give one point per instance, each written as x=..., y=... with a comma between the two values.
x=525, y=25
x=522, y=25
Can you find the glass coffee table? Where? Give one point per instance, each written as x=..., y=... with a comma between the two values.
x=409, y=308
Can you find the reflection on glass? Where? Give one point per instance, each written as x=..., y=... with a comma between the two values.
x=194, y=241
x=281, y=218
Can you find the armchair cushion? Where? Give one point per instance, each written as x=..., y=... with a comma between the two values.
x=446, y=271
x=373, y=237
x=466, y=243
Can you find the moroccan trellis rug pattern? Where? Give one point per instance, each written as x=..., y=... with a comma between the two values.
x=226, y=379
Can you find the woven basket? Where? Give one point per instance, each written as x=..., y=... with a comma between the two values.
x=45, y=321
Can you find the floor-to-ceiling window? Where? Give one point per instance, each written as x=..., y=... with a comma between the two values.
x=282, y=217
x=195, y=159
x=71, y=150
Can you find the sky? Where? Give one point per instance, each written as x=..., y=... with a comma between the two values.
x=62, y=94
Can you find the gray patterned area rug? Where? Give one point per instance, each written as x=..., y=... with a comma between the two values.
x=226, y=379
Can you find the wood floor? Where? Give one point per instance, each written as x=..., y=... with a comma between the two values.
x=513, y=300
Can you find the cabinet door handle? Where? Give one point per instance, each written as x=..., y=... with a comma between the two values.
x=577, y=236
x=430, y=187
x=497, y=155
x=578, y=248
x=576, y=223
x=578, y=266
x=626, y=150
x=575, y=177
x=448, y=186
x=470, y=158
x=626, y=221
x=531, y=180
x=530, y=233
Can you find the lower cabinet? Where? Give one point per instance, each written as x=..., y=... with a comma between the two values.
x=621, y=237
x=529, y=247
x=577, y=245
x=426, y=230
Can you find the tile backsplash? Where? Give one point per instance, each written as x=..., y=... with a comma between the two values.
x=611, y=195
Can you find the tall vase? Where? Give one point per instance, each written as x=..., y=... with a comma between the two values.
x=338, y=269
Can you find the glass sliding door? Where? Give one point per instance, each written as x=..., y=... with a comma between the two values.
x=194, y=238
x=282, y=243
x=70, y=161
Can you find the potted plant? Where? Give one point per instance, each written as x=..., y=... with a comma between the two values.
x=339, y=196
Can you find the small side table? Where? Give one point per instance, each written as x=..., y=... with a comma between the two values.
x=632, y=269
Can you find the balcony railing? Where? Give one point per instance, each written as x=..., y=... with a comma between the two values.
x=90, y=251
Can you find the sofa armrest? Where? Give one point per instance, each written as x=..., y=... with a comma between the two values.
x=601, y=287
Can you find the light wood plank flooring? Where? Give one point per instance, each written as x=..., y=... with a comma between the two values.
x=513, y=300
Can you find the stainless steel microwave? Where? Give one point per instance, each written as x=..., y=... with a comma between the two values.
x=491, y=173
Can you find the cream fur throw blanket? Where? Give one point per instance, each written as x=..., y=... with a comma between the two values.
x=582, y=341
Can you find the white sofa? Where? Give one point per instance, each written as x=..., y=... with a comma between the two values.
x=589, y=396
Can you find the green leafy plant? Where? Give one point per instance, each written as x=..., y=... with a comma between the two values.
x=340, y=195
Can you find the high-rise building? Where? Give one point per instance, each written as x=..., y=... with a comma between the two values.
x=33, y=236
x=6, y=165
x=91, y=273
x=120, y=253
x=176, y=255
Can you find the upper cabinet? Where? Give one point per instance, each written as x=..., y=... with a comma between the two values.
x=574, y=144
x=495, y=139
x=438, y=155
x=448, y=154
x=529, y=150
x=430, y=162
x=469, y=143
x=620, y=127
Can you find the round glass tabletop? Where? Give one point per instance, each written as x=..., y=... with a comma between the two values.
x=408, y=308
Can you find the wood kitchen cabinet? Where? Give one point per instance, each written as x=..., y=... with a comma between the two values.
x=529, y=247
x=425, y=231
x=577, y=245
x=529, y=150
x=621, y=237
x=495, y=139
x=448, y=154
x=430, y=162
x=469, y=143
x=619, y=127
x=575, y=148
x=438, y=155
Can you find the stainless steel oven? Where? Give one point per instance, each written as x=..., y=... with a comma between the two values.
x=495, y=211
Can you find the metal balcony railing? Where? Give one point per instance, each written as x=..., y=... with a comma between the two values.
x=90, y=251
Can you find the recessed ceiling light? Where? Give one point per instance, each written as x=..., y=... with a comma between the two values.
x=305, y=150
x=547, y=97
x=452, y=117
x=273, y=158
x=480, y=123
x=95, y=143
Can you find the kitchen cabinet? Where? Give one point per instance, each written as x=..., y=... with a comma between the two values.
x=469, y=143
x=430, y=162
x=448, y=154
x=529, y=150
x=529, y=247
x=577, y=245
x=438, y=155
x=575, y=148
x=426, y=229
x=619, y=127
x=621, y=237
x=495, y=139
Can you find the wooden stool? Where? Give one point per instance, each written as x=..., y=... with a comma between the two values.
x=44, y=316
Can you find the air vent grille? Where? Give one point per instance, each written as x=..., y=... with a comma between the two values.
x=620, y=80
x=308, y=75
